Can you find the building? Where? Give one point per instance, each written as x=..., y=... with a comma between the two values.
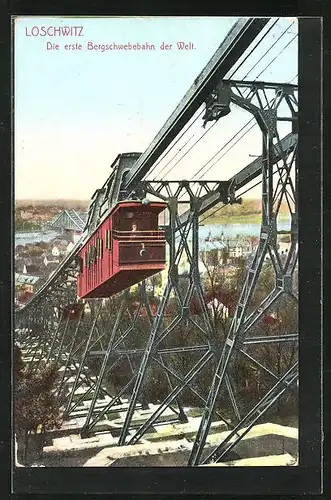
x=25, y=283
x=213, y=252
x=49, y=258
x=25, y=297
x=55, y=251
x=284, y=243
x=235, y=248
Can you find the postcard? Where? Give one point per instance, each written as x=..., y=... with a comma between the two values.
x=156, y=242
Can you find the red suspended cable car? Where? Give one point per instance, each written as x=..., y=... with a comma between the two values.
x=125, y=249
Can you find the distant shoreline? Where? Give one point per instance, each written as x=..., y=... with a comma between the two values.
x=35, y=231
x=236, y=219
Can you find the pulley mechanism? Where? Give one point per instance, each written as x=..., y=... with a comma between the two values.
x=218, y=103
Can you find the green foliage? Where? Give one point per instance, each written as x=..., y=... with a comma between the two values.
x=248, y=207
x=34, y=399
x=24, y=225
x=56, y=205
x=248, y=212
x=35, y=251
x=18, y=363
x=224, y=284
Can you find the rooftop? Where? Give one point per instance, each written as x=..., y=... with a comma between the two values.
x=209, y=245
x=25, y=279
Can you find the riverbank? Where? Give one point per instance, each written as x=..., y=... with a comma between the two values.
x=219, y=218
x=23, y=232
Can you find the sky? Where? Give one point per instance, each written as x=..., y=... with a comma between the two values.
x=76, y=110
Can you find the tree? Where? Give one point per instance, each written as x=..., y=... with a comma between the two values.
x=35, y=404
x=35, y=251
x=280, y=318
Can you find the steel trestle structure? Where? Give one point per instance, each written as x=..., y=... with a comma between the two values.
x=110, y=350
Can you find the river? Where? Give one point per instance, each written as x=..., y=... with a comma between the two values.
x=215, y=230
x=25, y=237
x=233, y=230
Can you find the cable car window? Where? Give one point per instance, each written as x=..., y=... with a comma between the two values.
x=79, y=261
x=100, y=248
x=86, y=259
x=93, y=253
x=108, y=239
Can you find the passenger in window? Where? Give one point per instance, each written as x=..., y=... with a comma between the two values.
x=134, y=227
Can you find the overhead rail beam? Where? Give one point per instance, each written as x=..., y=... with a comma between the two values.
x=231, y=49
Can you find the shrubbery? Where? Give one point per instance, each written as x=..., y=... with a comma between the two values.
x=35, y=405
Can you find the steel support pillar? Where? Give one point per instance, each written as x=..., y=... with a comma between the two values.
x=273, y=195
